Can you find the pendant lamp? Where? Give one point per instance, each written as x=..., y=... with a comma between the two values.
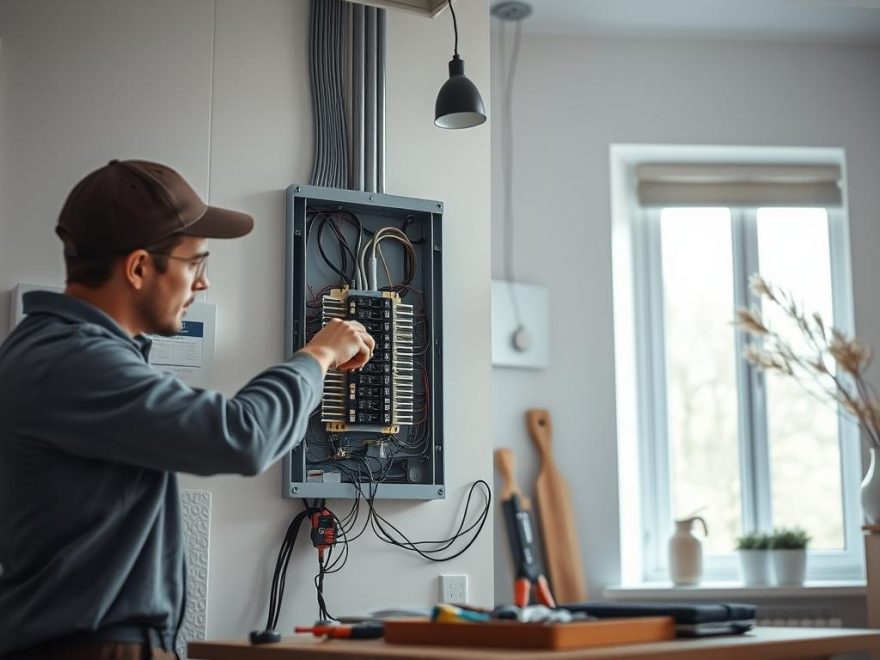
x=459, y=104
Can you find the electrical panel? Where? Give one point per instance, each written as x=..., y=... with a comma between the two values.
x=375, y=259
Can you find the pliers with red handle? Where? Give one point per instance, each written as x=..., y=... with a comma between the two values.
x=529, y=572
x=518, y=520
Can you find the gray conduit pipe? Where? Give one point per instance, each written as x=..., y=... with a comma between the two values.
x=338, y=163
x=357, y=104
x=370, y=102
x=380, y=101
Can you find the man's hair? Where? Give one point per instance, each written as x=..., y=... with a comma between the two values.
x=96, y=271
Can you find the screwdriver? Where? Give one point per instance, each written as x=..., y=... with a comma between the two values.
x=356, y=631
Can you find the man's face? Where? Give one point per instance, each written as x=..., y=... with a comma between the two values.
x=169, y=294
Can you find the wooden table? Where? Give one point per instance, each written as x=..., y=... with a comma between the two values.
x=759, y=644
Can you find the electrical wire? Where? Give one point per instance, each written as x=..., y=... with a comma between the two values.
x=372, y=247
x=380, y=526
x=318, y=221
x=454, y=26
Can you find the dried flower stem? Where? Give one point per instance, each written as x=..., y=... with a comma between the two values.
x=843, y=382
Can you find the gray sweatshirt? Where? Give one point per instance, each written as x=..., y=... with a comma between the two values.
x=90, y=438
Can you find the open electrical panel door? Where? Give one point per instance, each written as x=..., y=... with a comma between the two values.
x=373, y=258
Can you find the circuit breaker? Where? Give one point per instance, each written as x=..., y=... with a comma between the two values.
x=376, y=259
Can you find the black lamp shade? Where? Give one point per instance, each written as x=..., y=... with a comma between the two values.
x=459, y=104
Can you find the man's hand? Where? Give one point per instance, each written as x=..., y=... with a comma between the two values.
x=343, y=345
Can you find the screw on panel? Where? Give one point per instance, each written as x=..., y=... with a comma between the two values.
x=439, y=491
x=297, y=189
x=297, y=232
x=436, y=248
x=295, y=489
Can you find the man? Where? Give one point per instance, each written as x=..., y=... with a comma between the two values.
x=91, y=435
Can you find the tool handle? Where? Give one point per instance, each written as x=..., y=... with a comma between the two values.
x=541, y=430
x=542, y=590
x=506, y=464
x=522, y=589
x=367, y=630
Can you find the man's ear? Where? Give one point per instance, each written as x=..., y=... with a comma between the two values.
x=136, y=267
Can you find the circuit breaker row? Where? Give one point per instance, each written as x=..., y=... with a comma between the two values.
x=379, y=397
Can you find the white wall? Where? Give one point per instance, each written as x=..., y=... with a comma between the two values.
x=220, y=91
x=573, y=99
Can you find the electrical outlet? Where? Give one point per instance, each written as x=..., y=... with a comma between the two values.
x=453, y=589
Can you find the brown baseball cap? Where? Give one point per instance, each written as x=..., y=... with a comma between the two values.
x=131, y=204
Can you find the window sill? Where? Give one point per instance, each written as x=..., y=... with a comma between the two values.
x=736, y=590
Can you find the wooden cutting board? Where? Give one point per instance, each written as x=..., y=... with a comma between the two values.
x=562, y=550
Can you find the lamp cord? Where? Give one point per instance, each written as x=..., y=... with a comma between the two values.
x=454, y=27
x=508, y=75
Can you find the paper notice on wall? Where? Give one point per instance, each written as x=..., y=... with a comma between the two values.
x=189, y=354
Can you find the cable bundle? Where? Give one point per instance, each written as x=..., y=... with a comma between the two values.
x=363, y=275
x=326, y=49
x=385, y=531
x=319, y=221
x=368, y=268
x=276, y=592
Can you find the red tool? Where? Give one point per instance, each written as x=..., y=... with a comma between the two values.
x=517, y=518
x=368, y=630
x=324, y=530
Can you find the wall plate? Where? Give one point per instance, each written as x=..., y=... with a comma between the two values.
x=520, y=325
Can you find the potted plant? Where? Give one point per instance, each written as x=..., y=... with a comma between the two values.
x=788, y=547
x=754, y=559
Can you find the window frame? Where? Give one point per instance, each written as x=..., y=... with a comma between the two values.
x=652, y=442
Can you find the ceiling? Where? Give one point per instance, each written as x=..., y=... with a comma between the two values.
x=855, y=21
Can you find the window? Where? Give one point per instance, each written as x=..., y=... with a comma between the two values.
x=745, y=450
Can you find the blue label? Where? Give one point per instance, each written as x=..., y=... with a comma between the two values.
x=192, y=329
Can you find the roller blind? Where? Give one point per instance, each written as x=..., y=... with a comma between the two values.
x=714, y=184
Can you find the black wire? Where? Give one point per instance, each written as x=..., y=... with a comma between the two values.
x=323, y=218
x=335, y=564
x=323, y=614
x=454, y=26
x=343, y=248
x=446, y=543
x=276, y=592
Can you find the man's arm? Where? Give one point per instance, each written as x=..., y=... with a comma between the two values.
x=105, y=402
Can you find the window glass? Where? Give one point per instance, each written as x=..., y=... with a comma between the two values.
x=794, y=254
x=701, y=387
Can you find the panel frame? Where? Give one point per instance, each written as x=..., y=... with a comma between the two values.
x=430, y=270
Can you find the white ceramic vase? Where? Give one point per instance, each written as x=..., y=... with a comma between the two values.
x=790, y=566
x=755, y=567
x=870, y=493
x=686, y=553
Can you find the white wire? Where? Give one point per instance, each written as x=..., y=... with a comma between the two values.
x=367, y=271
